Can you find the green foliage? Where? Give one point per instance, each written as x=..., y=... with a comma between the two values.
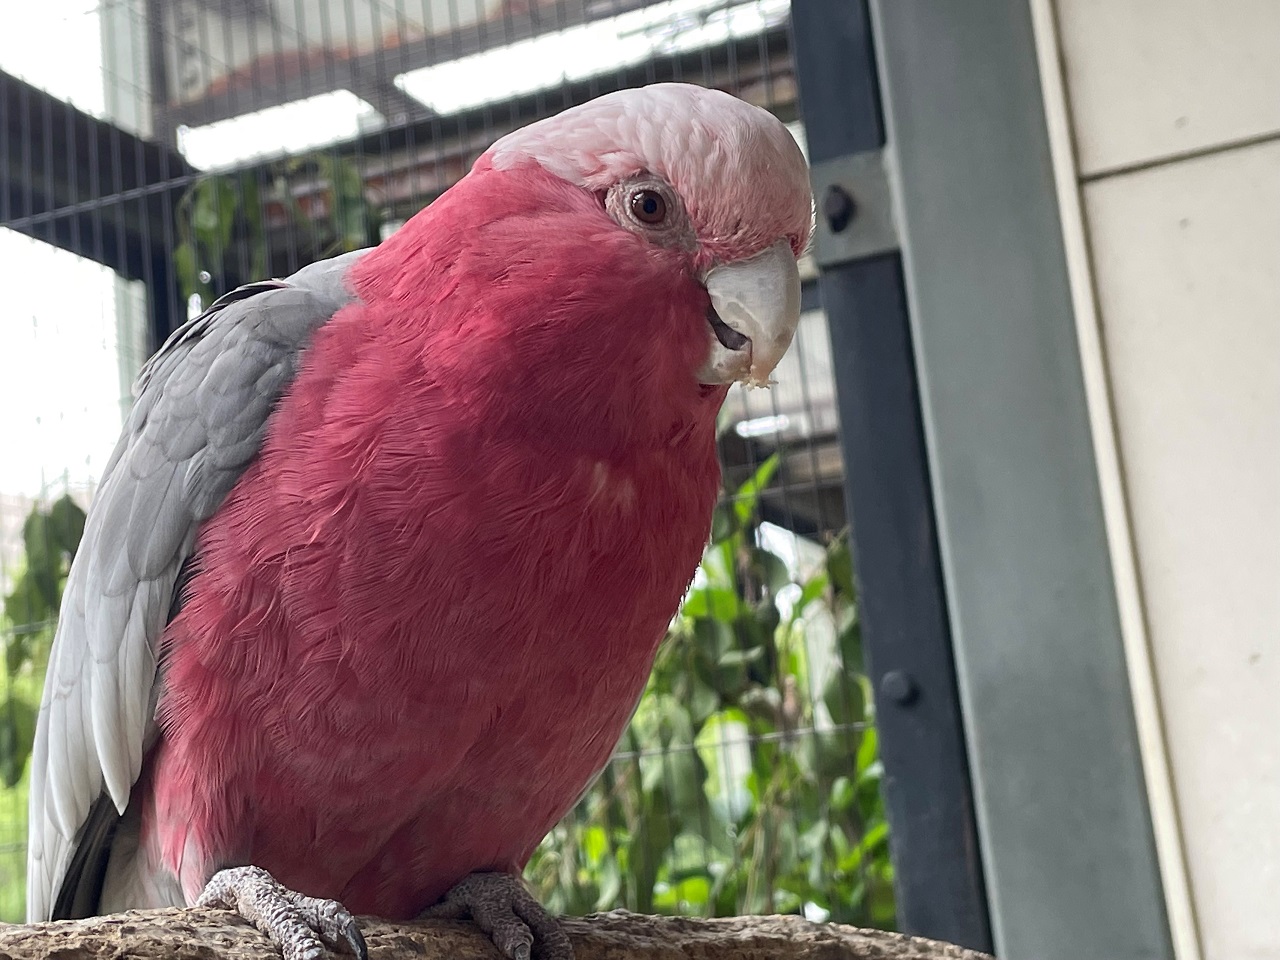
x=50, y=538
x=217, y=215
x=222, y=226
x=749, y=779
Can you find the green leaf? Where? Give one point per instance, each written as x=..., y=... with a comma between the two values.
x=868, y=751
x=875, y=837
x=610, y=884
x=840, y=568
x=718, y=566
x=350, y=211
x=715, y=602
x=213, y=212
x=26, y=604
x=184, y=263
x=689, y=895
x=653, y=836
x=842, y=794
x=764, y=706
x=741, y=658
x=774, y=572
x=748, y=495
x=722, y=746
x=812, y=590
x=17, y=731
x=594, y=843
x=40, y=541
x=722, y=523
x=690, y=855
x=718, y=662
x=844, y=699
x=713, y=638
x=66, y=523
x=204, y=210
x=251, y=217
x=228, y=199
x=17, y=651
x=661, y=723
x=702, y=699
x=849, y=642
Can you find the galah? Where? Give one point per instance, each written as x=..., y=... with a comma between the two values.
x=378, y=569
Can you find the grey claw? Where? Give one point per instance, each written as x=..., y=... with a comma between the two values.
x=500, y=905
x=301, y=926
x=355, y=941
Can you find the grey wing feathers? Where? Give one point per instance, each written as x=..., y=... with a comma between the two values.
x=201, y=410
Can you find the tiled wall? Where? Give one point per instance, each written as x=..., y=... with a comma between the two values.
x=1175, y=110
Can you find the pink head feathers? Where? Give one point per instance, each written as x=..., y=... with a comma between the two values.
x=739, y=173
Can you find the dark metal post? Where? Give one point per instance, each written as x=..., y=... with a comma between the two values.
x=1068, y=848
x=89, y=187
x=907, y=637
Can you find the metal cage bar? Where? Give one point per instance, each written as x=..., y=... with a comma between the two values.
x=1066, y=838
x=907, y=636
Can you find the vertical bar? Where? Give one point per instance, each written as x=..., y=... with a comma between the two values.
x=906, y=633
x=162, y=92
x=1067, y=841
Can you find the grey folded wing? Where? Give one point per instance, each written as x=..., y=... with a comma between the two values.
x=201, y=412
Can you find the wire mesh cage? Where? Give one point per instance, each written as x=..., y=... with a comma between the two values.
x=163, y=152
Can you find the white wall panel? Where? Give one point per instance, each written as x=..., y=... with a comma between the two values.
x=1186, y=261
x=1150, y=79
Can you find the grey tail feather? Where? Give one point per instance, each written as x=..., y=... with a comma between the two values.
x=81, y=889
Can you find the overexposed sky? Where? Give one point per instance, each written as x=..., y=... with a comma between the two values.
x=59, y=379
x=56, y=45
x=59, y=367
x=589, y=49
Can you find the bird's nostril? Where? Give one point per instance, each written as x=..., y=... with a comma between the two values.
x=728, y=337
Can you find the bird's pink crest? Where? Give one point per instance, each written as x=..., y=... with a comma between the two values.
x=741, y=175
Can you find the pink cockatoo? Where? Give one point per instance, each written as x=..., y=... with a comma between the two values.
x=379, y=567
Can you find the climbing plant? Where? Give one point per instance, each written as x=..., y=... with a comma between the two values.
x=223, y=240
x=50, y=537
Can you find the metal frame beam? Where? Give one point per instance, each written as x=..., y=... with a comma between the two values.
x=89, y=187
x=1067, y=841
x=906, y=635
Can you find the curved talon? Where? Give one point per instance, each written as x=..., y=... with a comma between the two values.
x=301, y=926
x=515, y=921
x=354, y=940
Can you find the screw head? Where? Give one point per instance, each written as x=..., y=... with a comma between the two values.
x=838, y=207
x=897, y=685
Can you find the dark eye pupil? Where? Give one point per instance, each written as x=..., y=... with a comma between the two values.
x=648, y=206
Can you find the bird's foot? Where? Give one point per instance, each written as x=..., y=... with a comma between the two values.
x=301, y=926
x=502, y=907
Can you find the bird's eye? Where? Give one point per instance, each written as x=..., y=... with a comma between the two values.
x=648, y=206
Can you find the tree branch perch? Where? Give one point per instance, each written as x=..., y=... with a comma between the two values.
x=218, y=935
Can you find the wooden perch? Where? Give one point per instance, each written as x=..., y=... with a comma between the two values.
x=218, y=935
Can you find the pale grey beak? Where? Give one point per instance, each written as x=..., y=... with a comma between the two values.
x=755, y=310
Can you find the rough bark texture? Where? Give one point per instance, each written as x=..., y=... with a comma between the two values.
x=218, y=935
